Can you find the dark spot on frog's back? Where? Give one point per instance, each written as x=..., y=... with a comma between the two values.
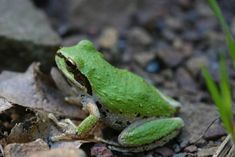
x=138, y=115
x=102, y=111
x=128, y=122
x=118, y=122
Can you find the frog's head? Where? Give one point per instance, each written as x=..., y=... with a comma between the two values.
x=69, y=62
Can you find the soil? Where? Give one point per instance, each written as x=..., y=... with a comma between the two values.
x=166, y=42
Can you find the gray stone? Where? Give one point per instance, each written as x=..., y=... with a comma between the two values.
x=142, y=58
x=191, y=149
x=61, y=152
x=206, y=152
x=25, y=149
x=185, y=81
x=164, y=151
x=138, y=36
x=192, y=116
x=108, y=38
x=214, y=132
x=110, y=13
x=195, y=64
x=25, y=35
x=180, y=155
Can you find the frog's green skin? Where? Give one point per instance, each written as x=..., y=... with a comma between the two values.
x=124, y=98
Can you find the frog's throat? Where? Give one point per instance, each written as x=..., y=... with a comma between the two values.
x=76, y=77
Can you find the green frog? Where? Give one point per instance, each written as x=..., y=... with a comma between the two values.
x=119, y=98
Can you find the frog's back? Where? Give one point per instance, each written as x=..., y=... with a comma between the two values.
x=121, y=91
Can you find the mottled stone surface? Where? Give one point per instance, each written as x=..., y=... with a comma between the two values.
x=25, y=35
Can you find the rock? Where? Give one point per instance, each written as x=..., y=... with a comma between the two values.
x=142, y=58
x=201, y=143
x=170, y=56
x=100, y=150
x=25, y=35
x=214, y=132
x=206, y=152
x=184, y=143
x=174, y=23
x=164, y=151
x=185, y=48
x=176, y=148
x=139, y=36
x=73, y=40
x=194, y=64
x=108, y=38
x=122, y=44
x=153, y=66
x=61, y=152
x=203, y=10
x=25, y=149
x=1, y=150
x=185, y=81
x=167, y=74
x=192, y=113
x=193, y=36
x=169, y=34
x=4, y=105
x=191, y=149
x=115, y=14
x=180, y=155
x=185, y=4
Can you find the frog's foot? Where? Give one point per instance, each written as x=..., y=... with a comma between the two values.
x=68, y=128
x=85, y=127
x=108, y=142
x=147, y=134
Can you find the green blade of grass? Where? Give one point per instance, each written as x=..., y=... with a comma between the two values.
x=224, y=84
x=214, y=92
x=226, y=96
x=229, y=39
x=217, y=98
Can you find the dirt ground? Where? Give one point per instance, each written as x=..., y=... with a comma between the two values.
x=166, y=42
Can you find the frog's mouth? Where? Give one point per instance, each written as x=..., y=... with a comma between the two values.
x=74, y=75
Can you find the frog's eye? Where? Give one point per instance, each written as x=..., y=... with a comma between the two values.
x=70, y=64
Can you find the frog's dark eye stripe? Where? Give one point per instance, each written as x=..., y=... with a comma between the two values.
x=70, y=64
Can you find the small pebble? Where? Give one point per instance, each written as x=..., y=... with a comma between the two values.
x=180, y=155
x=184, y=143
x=100, y=150
x=176, y=148
x=140, y=36
x=191, y=149
x=122, y=44
x=164, y=151
x=153, y=66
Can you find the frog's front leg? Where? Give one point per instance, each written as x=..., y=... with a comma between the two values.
x=147, y=134
x=89, y=122
x=83, y=129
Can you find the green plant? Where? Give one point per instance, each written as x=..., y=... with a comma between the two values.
x=221, y=94
x=228, y=35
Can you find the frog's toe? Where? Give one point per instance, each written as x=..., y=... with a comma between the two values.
x=66, y=125
x=63, y=137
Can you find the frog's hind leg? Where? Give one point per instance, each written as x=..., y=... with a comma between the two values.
x=147, y=134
